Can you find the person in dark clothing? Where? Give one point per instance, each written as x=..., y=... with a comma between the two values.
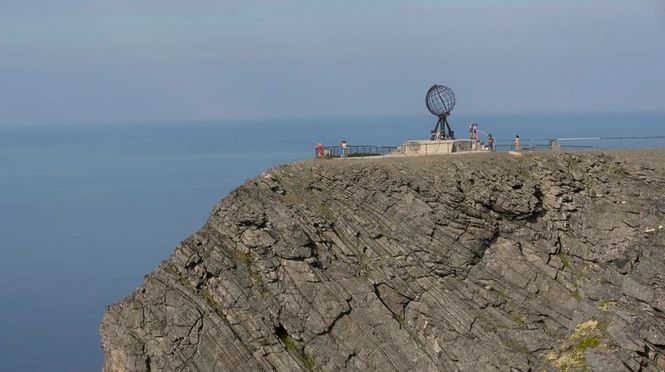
x=490, y=142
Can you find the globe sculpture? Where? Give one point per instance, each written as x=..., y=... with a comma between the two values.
x=440, y=101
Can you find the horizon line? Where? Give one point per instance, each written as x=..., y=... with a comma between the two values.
x=256, y=119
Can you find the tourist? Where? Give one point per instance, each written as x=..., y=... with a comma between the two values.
x=517, y=143
x=343, y=147
x=319, y=150
x=473, y=132
x=490, y=142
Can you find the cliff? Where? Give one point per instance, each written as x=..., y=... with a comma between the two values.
x=472, y=262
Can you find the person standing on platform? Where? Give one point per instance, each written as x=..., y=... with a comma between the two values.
x=490, y=142
x=517, y=143
x=343, y=147
x=473, y=132
x=319, y=150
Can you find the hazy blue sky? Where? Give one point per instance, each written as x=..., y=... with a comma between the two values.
x=83, y=61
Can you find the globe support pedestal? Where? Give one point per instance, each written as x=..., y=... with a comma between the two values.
x=442, y=130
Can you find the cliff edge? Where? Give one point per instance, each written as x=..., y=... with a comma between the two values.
x=472, y=262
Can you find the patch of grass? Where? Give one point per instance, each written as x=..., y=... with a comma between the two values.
x=243, y=257
x=290, y=344
x=571, y=355
x=308, y=362
x=517, y=318
x=211, y=301
x=589, y=342
x=576, y=294
x=603, y=305
x=184, y=282
x=517, y=346
x=326, y=211
x=363, y=262
x=296, y=350
x=579, y=274
x=565, y=260
x=399, y=319
x=258, y=279
x=567, y=361
x=291, y=197
x=308, y=177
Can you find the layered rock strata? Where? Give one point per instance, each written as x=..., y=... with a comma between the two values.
x=472, y=263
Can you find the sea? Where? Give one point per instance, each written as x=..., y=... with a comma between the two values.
x=87, y=210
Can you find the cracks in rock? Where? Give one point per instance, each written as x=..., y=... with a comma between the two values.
x=338, y=318
x=142, y=324
x=349, y=358
x=148, y=368
x=491, y=240
x=591, y=261
x=473, y=322
x=280, y=331
x=398, y=317
x=538, y=210
x=557, y=251
x=183, y=342
x=198, y=329
x=148, y=362
x=313, y=260
x=205, y=279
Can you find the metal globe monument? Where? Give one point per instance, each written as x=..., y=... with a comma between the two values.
x=440, y=101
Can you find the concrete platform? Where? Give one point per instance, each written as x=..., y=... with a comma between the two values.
x=439, y=147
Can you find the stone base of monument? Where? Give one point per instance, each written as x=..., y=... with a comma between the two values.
x=439, y=147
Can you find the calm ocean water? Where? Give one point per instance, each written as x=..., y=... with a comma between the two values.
x=86, y=211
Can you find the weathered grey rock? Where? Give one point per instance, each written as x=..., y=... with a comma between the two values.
x=473, y=263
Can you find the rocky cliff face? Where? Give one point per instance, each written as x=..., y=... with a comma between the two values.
x=473, y=263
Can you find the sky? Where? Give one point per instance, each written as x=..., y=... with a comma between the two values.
x=127, y=61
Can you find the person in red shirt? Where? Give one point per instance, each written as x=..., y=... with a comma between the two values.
x=319, y=150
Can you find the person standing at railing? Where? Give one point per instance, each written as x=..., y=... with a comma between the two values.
x=343, y=149
x=319, y=150
x=517, y=143
x=473, y=132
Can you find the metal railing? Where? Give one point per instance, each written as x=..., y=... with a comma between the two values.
x=353, y=151
x=586, y=143
x=528, y=144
